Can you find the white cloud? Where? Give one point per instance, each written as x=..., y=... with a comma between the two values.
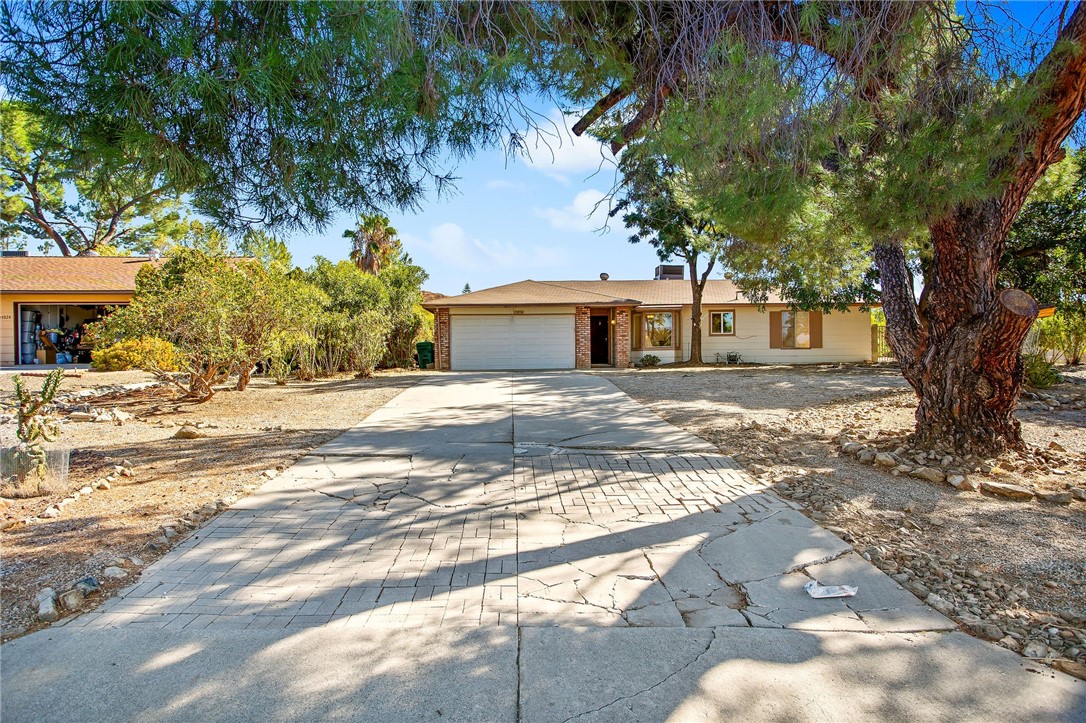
x=552, y=149
x=451, y=245
x=587, y=212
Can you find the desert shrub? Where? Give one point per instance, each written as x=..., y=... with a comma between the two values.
x=341, y=342
x=223, y=315
x=147, y=353
x=649, y=360
x=1040, y=372
x=403, y=282
x=394, y=293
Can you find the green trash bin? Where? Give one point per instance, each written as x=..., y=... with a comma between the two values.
x=425, y=350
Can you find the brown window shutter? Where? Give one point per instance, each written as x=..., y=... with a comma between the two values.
x=775, y=330
x=816, y=329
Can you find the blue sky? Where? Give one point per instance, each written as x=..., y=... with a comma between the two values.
x=512, y=219
x=537, y=218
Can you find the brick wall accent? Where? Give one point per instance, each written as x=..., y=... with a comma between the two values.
x=622, y=337
x=582, y=337
x=441, y=339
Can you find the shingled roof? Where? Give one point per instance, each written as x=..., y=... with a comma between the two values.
x=671, y=292
x=59, y=274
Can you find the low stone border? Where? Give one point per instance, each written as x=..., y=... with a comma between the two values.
x=893, y=455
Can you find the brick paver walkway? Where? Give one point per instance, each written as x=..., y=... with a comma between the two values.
x=370, y=557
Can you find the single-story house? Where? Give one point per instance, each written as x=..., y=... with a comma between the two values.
x=583, y=324
x=57, y=295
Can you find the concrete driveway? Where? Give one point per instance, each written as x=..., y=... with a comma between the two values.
x=532, y=547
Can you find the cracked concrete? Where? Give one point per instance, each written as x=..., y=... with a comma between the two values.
x=648, y=577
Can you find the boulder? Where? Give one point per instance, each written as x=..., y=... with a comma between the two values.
x=1057, y=498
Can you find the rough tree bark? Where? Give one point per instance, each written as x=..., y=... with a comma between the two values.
x=697, y=290
x=960, y=347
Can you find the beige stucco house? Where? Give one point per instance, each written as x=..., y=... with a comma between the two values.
x=57, y=292
x=582, y=324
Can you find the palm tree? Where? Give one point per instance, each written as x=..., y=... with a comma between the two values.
x=374, y=244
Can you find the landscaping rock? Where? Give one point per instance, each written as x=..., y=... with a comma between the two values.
x=1036, y=649
x=1078, y=493
x=988, y=631
x=1057, y=498
x=1001, y=489
x=189, y=432
x=939, y=604
x=963, y=483
x=929, y=473
x=72, y=599
x=88, y=585
x=47, y=610
x=47, y=605
x=883, y=459
x=105, y=485
x=115, y=573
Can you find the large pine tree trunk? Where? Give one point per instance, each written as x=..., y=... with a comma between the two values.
x=960, y=347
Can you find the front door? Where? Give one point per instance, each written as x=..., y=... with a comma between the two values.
x=601, y=339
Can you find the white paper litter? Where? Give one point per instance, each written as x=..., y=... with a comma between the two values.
x=817, y=591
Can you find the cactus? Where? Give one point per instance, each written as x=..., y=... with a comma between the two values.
x=34, y=428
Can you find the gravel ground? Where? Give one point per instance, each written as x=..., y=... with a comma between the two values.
x=245, y=434
x=1012, y=571
x=74, y=379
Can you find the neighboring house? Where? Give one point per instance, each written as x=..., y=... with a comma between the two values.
x=581, y=324
x=57, y=292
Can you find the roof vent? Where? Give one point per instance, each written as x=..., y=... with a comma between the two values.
x=669, y=271
x=604, y=277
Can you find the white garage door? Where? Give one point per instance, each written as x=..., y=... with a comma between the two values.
x=512, y=342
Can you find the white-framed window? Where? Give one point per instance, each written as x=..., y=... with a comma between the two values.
x=722, y=323
x=796, y=329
